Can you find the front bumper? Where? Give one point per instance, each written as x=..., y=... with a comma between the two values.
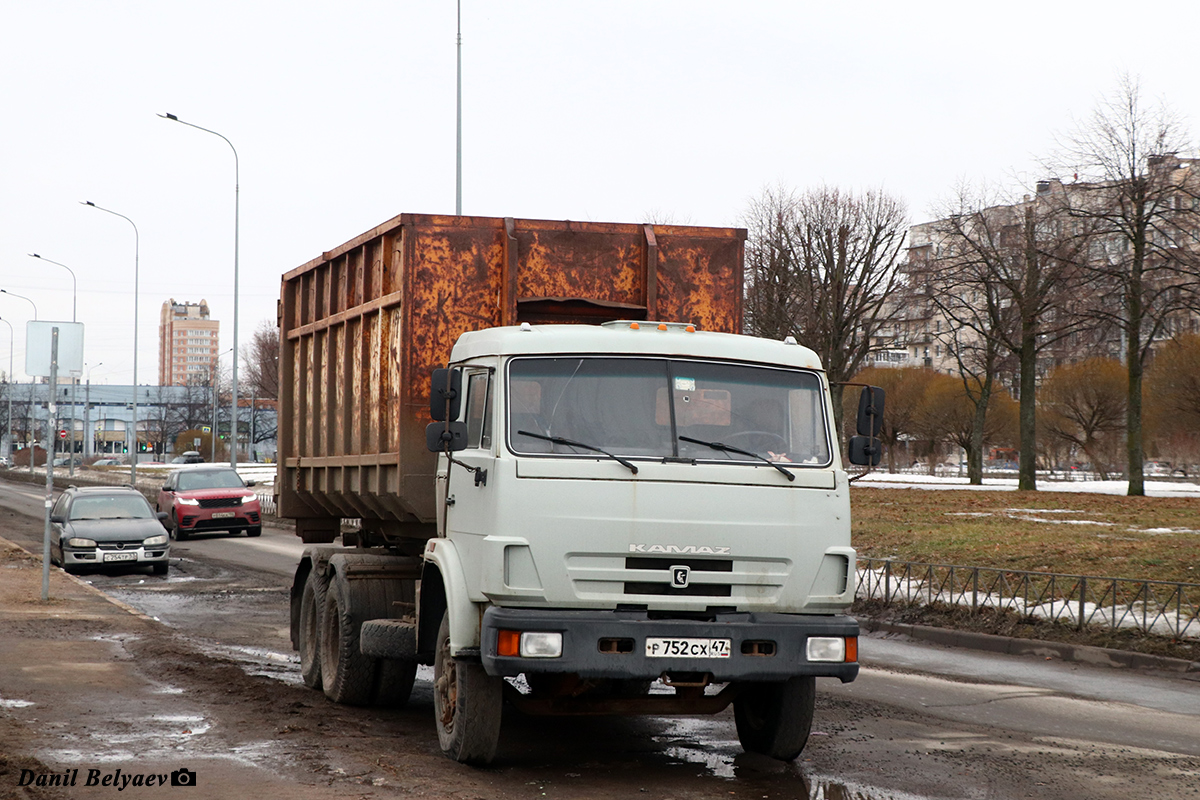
x=107, y=555
x=583, y=631
x=192, y=518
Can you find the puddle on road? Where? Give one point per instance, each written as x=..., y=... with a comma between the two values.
x=705, y=741
x=4, y=703
x=256, y=661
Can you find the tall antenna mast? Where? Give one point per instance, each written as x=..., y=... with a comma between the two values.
x=458, y=151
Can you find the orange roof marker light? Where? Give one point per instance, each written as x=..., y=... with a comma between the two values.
x=662, y=326
x=690, y=329
x=633, y=326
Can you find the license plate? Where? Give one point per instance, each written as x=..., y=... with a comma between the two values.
x=687, y=648
x=223, y=514
x=120, y=556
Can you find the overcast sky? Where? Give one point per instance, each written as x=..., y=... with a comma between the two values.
x=343, y=117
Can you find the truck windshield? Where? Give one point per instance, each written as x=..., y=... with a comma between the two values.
x=640, y=407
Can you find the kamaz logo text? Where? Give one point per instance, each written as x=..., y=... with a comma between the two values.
x=688, y=549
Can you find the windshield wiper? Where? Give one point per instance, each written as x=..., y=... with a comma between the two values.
x=728, y=448
x=572, y=443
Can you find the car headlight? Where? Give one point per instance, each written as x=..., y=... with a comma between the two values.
x=155, y=540
x=187, y=501
x=81, y=543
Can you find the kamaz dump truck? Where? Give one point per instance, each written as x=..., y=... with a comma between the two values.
x=562, y=478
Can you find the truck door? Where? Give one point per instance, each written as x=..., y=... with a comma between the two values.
x=473, y=489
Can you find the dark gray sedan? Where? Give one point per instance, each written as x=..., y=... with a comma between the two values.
x=107, y=526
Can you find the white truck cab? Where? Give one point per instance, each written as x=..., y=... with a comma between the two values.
x=636, y=502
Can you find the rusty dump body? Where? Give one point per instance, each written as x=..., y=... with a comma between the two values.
x=363, y=326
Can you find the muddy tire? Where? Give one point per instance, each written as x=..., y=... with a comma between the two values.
x=177, y=533
x=347, y=676
x=255, y=531
x=467, y=704
x=774, y=719
x=312, y=601
x=394, y=681
x=161, y=567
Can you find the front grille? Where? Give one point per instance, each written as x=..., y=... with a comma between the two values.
x=692, y=590
x=698, y=567
x=118, y=545
x=220, y=502
x=633, y=577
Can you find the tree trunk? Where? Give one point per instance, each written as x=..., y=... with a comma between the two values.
x=1027, y=467
x=975, y=451
x=1133, y=357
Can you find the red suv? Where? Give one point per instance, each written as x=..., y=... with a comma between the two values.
x=209, y=498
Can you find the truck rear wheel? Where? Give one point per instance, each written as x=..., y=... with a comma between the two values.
x=775, y=718
x=467, y=704
x=312, y=600
x=394, y=677
x=347, y=676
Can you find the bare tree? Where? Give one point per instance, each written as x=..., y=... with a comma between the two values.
x=261, y=357
x=820, y=267
x=948, y=415
x=1085, y=405
x=1142, y=199
x=905, y=389
x=1004, y=275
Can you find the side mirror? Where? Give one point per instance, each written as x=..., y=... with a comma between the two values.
x=166, y=487
x=163, y=517
x=440, y=434
x=445, y=391
x=865, y=451
x=251, y=483
x=58, y=520
x=870, y=412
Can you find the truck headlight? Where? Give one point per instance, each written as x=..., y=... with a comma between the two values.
x=155, y=540
x=832, y=648
x=529, y=644
x=80, y=542
x=187, y=501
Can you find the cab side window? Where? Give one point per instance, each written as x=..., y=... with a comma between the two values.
x=479, y=411
x=60, y=508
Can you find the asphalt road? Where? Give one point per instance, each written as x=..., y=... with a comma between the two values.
x=920, y=721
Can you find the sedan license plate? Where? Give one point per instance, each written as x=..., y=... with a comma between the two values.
x=120, y=556
x=687, y=648
x=223, y=514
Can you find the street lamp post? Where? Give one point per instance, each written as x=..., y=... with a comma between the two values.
x=89, y=435
x=23, y=297
x=75, y=382
x=458, y=119
x=236, y=233
x=74, y=283
x=136, y=251
x=10, y=388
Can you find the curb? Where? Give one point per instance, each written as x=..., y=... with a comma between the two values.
x=1008, y=645
x=84, y=584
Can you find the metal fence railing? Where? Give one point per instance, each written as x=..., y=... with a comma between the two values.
x=1159, y=607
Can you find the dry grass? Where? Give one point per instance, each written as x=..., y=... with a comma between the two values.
x=1143, y=538
x=1139, y=538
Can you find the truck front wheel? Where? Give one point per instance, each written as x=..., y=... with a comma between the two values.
x=467, y=704
x=774, y=719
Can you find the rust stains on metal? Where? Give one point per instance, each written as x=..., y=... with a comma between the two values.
x=363, y=327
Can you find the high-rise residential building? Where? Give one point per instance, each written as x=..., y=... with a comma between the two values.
x=187, y=344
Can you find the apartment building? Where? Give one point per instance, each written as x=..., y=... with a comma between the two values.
x=188, y=344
